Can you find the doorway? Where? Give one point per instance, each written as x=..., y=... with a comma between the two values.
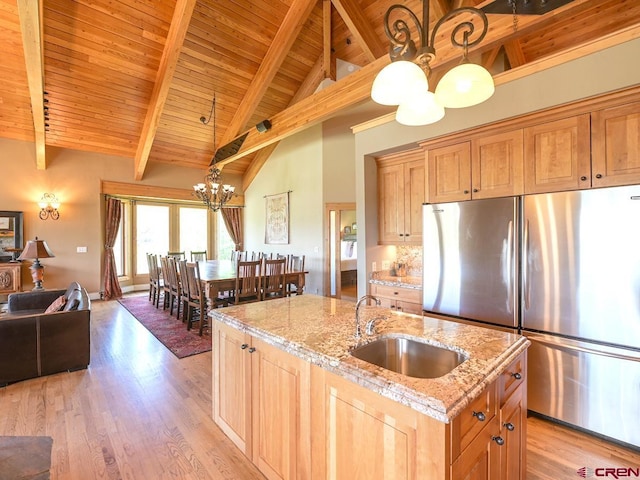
x=341, y=277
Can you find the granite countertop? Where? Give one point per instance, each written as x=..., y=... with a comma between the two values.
x=407, y=281
x=321, y=330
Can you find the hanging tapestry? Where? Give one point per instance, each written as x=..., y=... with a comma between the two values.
x=277, y=221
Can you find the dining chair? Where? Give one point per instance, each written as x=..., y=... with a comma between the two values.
x=273, y=278
x=248, y=282
x=296, y=264
x=184, y=290
x=166, y=289
x=174, y=286
x=199, y=256
x=155, y=279
x=197, y=302
x=177, y=255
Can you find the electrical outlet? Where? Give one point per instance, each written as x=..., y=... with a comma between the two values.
x=374, y=266
x=81, y=249
x=385, y=265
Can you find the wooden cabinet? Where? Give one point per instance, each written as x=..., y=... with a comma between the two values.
x=487, y=440
x=401, y=193
x=261, y=402
x=402, y=299
x=615, y=146
x=10, y=278
x=486, y=167
x=557, y=155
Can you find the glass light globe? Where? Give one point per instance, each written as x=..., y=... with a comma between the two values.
x=397, y=82
x=422, y=109
x=466, y=85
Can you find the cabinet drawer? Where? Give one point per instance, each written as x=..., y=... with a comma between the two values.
x=512, y=378
x=472, y=420
x=398, y=293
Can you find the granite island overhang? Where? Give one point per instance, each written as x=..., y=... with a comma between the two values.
x=320, y=330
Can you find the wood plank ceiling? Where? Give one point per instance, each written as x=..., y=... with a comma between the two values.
x=132, y=78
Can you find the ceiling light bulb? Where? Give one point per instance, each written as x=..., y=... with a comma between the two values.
x=398, y=82
x=422, y=109
x=466, y=85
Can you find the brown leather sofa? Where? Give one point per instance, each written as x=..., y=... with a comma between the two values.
x=34, y=343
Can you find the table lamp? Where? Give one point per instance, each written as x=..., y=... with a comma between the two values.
x=34, y=250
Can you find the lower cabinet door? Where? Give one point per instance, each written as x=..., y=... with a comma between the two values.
x=280, y=397
x=231, y=385
x=513, y=431
x=481, y=459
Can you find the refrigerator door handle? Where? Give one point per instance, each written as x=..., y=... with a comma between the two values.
x=525, y=264
x=578, y=346
x=511, y=263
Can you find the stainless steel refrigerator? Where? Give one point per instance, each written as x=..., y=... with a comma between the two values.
x=564, y=268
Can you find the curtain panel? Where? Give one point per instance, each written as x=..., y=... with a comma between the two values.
x=113, y=217
x=233, y=221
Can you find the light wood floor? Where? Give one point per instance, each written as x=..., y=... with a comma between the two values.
x=138, y=412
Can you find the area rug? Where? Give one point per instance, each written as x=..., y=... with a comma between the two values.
x=25, y=458
x=170, y=331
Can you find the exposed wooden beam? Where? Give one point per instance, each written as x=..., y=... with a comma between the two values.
x=151, y=191
x=347, y=92
x=359, y=26
x=438, y=8
x=328, y=71
x=514, y=52
x=307, y=88
x=30, y=12
x=171, y=53
x=278, y=50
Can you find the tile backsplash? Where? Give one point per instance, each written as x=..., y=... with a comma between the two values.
x=412, y=258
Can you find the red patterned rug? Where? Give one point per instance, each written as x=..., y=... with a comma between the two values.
x=171, y=332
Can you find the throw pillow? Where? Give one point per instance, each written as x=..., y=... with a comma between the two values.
x=56, y=305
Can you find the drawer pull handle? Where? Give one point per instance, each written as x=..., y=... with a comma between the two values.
x=480, y=416
x=516, y=375
x=498, y=440
x=244, y=346
x=252, y=349
x=510, y=426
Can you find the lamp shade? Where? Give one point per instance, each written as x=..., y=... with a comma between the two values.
x=422, y=109
x=466, y=85
x=397, y=82
x=36, y=249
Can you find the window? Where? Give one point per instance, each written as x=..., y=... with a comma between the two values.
x=152, y=233
x=193, y=230
x=223, y=239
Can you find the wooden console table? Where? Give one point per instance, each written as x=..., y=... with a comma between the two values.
x=10, y=278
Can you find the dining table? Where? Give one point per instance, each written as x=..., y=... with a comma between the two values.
x=220, y=276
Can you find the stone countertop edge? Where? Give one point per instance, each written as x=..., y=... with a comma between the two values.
x=404, y=282
x=461, y=388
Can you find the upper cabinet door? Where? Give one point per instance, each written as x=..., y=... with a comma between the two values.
x=557, y=155
x=497, y=165
x=615, y=137
x=449, y=173
x=414, y=197
x=391, y=203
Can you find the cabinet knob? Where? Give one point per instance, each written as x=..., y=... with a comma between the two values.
x=244, y=346
x=583, y=178
x=401, y=234
x=252, y=349
x=516, y=375
x=498, y=440
x=599, y=175
x=475, y=190
x=466, y=192
x=509, y=426
x=407, y=234
x=480, y=416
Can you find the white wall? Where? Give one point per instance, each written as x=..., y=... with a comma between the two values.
x=296, y=166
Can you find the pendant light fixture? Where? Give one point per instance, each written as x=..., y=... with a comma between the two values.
x=405, y=81
x=213, y=193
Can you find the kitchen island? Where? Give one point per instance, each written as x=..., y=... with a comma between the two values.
x=289, y=394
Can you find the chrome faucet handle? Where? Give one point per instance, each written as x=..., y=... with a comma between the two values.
x=370, y=328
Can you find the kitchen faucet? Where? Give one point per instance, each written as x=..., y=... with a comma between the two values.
x=361, y=300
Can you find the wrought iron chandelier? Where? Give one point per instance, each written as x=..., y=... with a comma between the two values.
x=405, y=82
x=213, y=193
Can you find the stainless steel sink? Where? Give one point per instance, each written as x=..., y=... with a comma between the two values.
x=409, y=357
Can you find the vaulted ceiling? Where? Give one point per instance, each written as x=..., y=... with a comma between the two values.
x=132, y=78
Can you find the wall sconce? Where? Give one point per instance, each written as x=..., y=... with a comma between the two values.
x=49, y=205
